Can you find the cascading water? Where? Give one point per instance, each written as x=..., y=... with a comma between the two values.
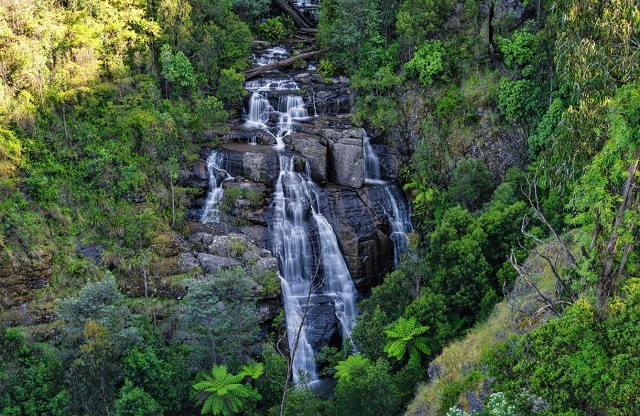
x=395, y=203
x=217, y=176
x=290, y=107
x=271, y=55
x=312, y=267
x=310, y=260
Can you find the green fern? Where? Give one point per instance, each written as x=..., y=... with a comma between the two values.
x=347, y=368
x=405, y=338
x=224, y=391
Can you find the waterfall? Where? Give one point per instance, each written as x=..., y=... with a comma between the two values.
x=217, y=175
x=396, y=205
x=271, y=55
x=310, y=261
x=314, y=274
x=290, y=107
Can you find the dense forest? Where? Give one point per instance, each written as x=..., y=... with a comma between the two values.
x=518, y=125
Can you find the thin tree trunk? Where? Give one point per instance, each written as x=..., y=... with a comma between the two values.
x=608, y=281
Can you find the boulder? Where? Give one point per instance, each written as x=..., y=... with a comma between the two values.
x=314, y=152
x=211, y=263
x=256, y=163
x=321, y=322
x=346, y=159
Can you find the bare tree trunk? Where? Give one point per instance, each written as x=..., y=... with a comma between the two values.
x=303, y=20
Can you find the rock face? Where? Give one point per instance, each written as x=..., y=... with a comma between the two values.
x=20, y=274
x=363, y=234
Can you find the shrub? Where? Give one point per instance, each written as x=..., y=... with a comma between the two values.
x=427, y=62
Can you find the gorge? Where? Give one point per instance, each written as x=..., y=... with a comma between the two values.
x=335, y=218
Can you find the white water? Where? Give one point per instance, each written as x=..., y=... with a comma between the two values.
x=271, y=55
x=311, y=264
x=395, y=203
x=290, y=107
x=310, y=261
x=215, y=163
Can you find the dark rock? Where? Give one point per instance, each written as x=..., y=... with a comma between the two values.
x=321, y=322
x=346, y=158
x=187, y=262
x=90, y=251
x=367, y=249
x=434, y=371
x=257, y=163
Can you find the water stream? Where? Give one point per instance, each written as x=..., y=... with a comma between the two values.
x=217, y=176
x=396, y=205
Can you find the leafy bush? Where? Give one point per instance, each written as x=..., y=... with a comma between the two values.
x=521, y=101
x=471, y=184
x=250, y=9
x=521, y=49
x=276, y=29
x=10, y=153
x=427, y=62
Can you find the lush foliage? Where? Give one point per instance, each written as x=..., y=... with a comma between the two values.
x=223, y=391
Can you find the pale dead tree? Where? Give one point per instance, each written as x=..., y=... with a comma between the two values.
x=292, y=354
x=553, y=251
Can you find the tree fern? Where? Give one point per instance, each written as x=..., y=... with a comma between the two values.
x=405, y=338
x=351, y=366
x=224, y=391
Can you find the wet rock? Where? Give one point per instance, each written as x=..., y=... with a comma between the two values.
x=346, y=159
x=90, y=251
x=368, y=251
x=314, y=152
x=256, y=163
x=321, y=322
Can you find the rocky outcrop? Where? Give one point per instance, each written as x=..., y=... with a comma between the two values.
x=322, y=323
x=256, y=163
x=20, y=274
x=314, y=150
x=201, y=252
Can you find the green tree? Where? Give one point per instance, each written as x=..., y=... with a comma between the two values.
x=176, y=69
x=221, y=315
x=595, y=54
x=576, y=364
x=134, y=401
x=251, y=9
x=222, y=392
x=406, y=339
x=607, y=202
x=471, y=184
x=344, y=28
x=427, y=63
x=368, y=391
x=417, y=20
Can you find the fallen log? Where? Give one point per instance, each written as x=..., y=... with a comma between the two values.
x=254, y=72
x=303, y=20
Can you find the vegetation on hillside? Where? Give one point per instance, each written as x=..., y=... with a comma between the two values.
x=102, y=101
